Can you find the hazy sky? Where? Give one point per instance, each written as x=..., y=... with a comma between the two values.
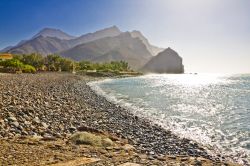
x=210, y=35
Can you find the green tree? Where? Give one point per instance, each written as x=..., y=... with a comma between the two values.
x=85, y=65
x=35, y=60
x=53, y=62
x=66, y=64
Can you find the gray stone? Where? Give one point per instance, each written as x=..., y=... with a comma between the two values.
x=36, y=120
x=16, y=124
x=12, y=118
x=129, y=164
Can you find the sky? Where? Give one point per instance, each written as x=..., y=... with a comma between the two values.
x=210, y=35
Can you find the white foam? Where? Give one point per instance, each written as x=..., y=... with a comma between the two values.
x=202, y=136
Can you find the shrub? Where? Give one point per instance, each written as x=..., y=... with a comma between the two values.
x=12, y=63
x=35, y=60
x=28, y=69
x=91, y=139
x=66, y=64
x=53, y=62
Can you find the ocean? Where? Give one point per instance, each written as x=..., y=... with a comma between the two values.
x=212, y=109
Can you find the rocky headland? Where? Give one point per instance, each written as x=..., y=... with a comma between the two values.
x=167, y=61
x=56, y=119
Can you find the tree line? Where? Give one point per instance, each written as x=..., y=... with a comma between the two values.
x=31, y=63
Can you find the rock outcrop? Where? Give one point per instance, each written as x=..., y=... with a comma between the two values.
x=167, y=61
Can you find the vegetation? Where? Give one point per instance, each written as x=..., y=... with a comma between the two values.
x=105, y=67
x=91, y=139
x=35, y=62
x=15, y=65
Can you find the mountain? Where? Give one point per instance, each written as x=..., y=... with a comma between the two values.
x=49, y=41
x=42, y=45
x=6, y=49
x=50, y=32
x=109, y=44
x=10, y=47
x=154, y=50
x=167, y=61
x=89, y=37
x=121, y=47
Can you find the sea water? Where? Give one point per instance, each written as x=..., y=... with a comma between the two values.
x=212, y=109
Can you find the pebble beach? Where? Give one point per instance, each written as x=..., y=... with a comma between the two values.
x=40, y=112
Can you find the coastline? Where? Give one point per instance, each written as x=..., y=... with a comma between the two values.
x=120, y=96
x=207, y=151
x=81, y=106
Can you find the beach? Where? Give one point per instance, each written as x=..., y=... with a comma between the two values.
x=40, y=112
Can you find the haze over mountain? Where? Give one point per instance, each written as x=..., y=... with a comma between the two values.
x=154, y=50
x=105, y=45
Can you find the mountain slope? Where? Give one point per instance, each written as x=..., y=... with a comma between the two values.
x=49, y=41
x=167, y=61
x=42, y=45
x=6, y=49
x=89, y=37
x=152, y=49
x=122, y=47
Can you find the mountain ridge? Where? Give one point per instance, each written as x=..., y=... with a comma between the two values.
x=25, y=46
x=52, y=32
x=74, y=41
x=105, y=45
x=121, y=47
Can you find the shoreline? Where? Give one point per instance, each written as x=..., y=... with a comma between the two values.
x=211, y=155
x=82, y=106
x=212, y=149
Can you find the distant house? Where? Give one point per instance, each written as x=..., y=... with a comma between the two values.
x=5, y=56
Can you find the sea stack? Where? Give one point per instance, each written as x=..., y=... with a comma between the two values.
x=167, y=61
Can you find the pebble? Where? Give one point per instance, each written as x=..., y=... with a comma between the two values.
x=58, y=104
x=36, y=120
x=12, y=118
x=15, y=123
x=129, y=164
x=128, y=147
x=44, y=125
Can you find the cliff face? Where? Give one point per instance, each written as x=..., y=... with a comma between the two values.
x=167, y=61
